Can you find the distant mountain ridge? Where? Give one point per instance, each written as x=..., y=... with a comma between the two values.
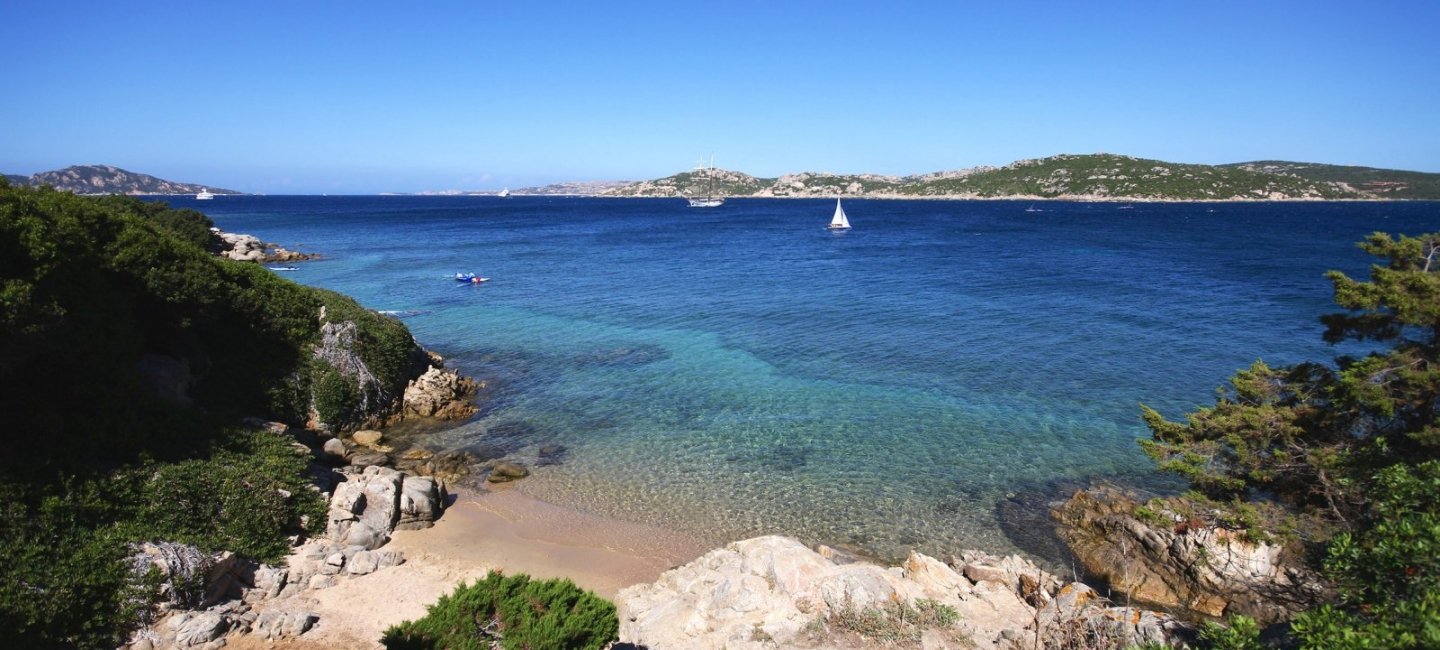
x=105, y=179
x=1069, y=176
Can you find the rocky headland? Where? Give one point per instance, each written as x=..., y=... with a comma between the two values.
x=107, y=179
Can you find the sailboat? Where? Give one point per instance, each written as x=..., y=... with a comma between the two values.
x=710, y=200
x=839, y=221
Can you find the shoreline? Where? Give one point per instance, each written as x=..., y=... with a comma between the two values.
x=520, y=533
x=501, y=529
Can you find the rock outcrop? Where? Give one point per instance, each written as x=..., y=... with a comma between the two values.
x=248, y=248
x=441, y=394
x=768, y=591
x=1183, y=565
x=207, y=597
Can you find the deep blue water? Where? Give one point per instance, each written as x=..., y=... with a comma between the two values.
x=741, y=370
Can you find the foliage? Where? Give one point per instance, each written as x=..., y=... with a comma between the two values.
x=1388, y=574
x=1354, y=446
x=335, y=395
x=245, y=496
x=1243, y=633
x=91, y=288
x=65, y=582
x=515, y=611
x=95, y=294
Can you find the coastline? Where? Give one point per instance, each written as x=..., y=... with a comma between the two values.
x=504, y=530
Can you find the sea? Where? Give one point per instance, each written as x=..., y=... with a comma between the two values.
x=740, y=370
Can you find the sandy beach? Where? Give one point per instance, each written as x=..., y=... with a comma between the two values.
x=502, y=529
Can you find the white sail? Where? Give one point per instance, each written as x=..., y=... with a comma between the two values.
x=839, y=221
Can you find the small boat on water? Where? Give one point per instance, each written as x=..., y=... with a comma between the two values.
x=1032, y=208
x=470, y=278
x=839, y=222
x=504, y=194
x=283, y=268
x=204, y=195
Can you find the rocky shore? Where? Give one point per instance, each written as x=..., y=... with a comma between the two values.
x=249, y=248
x=1163, y=569
x=765, y=592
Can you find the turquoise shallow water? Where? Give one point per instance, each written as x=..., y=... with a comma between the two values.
x=740, y=370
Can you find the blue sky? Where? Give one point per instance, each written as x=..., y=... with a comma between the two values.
x=359, y=97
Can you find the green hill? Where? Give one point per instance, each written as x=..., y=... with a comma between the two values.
x=1381, y=183
x=105, y=179
x=1079, y=177
x=1108, y=176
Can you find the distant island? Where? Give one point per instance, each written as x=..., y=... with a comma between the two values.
x=105, y=179
x=1092, y=177
x=1089, y=177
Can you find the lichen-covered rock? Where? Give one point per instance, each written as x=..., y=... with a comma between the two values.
x=1198, y=571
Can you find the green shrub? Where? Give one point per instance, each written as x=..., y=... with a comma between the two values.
x=94, y=460
x=63, y=582
x=515, y=611
x=1243, y=633
x=336, y=396
x=246, y=497
x=1388, y=575
x=1351, y=448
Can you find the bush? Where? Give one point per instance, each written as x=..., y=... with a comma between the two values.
x=1243, y=633
x=515, y=611
x=1388, y=575
x=1353, y=447
x=63, y=582
x=246, y=497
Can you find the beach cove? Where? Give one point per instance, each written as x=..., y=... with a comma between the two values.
x=740, y=371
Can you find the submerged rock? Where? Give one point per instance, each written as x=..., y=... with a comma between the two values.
x=505, y=472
